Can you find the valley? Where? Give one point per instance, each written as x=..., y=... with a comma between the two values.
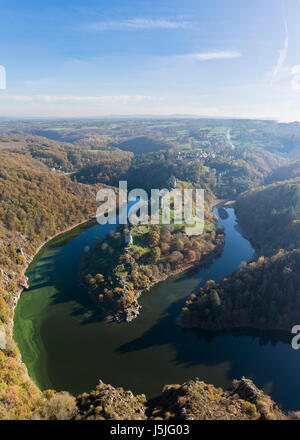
x=206, y=305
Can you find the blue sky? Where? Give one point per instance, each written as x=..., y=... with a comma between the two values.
x=71, y=58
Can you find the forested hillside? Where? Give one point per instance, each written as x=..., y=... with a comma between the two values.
x=95, y=160
x=270, y=216
x=264, y=293
x=116, y=272
x=48, y=186
x=60, y=156
x=226, y=175
x=144, y=144
x=35, y=204
x=193, y=400
x=39, y=203
x=285, y=172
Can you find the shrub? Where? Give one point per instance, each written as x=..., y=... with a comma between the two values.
x=62, y=406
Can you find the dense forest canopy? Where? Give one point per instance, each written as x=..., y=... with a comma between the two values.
x=35, y=204
x=264, y=293
x=271, y=215
x=144, y=144
x=130, y=261
x=285, y=172
x=49, y=174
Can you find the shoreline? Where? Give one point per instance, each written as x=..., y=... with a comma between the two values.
x=29, y=260
x=134, y=310
x=208, y=259
x=180, y=271
x=216, y=330
x=121, y=316
x=226, y=203
x=17, y=297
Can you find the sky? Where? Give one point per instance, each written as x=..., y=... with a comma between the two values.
x=216, y=58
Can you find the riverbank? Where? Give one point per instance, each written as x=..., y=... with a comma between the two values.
x=226, y=203
x=29, y=259
x=256, y=296
x=129, y=262
x=193, y=400
x=152, y=351
x=134, y=312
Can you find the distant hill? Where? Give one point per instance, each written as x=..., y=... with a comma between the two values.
x=270, y=216
x=285, y=172
x=144, y=144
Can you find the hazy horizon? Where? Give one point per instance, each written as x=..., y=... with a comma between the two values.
x=236, y=60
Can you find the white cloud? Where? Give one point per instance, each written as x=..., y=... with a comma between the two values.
x=137, y=24
x=282, y=54
x=216, y=55
x=123, y=99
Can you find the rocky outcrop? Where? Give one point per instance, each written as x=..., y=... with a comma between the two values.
x=133, y=311
x=109, y=403
x=2, y=338
x=196, y=400
x=172, y=182
x=247, y=391
x=128, y=238
x=23, y=282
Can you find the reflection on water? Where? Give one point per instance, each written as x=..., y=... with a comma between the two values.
x=66, y=346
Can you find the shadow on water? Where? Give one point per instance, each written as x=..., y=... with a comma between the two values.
x=67, y=290
x=66, y=345
x=159, y=335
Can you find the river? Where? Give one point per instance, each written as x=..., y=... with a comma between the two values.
x=66, y=347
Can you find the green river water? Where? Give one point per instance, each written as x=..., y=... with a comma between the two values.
x=66, y=347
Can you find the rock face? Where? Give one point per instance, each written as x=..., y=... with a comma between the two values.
x=109, y=403
x=132, y=312
x=2, y=338
x=268, y=409
x=24, y=283
x=128, y=238
x=196, y=400
x=172, y=182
